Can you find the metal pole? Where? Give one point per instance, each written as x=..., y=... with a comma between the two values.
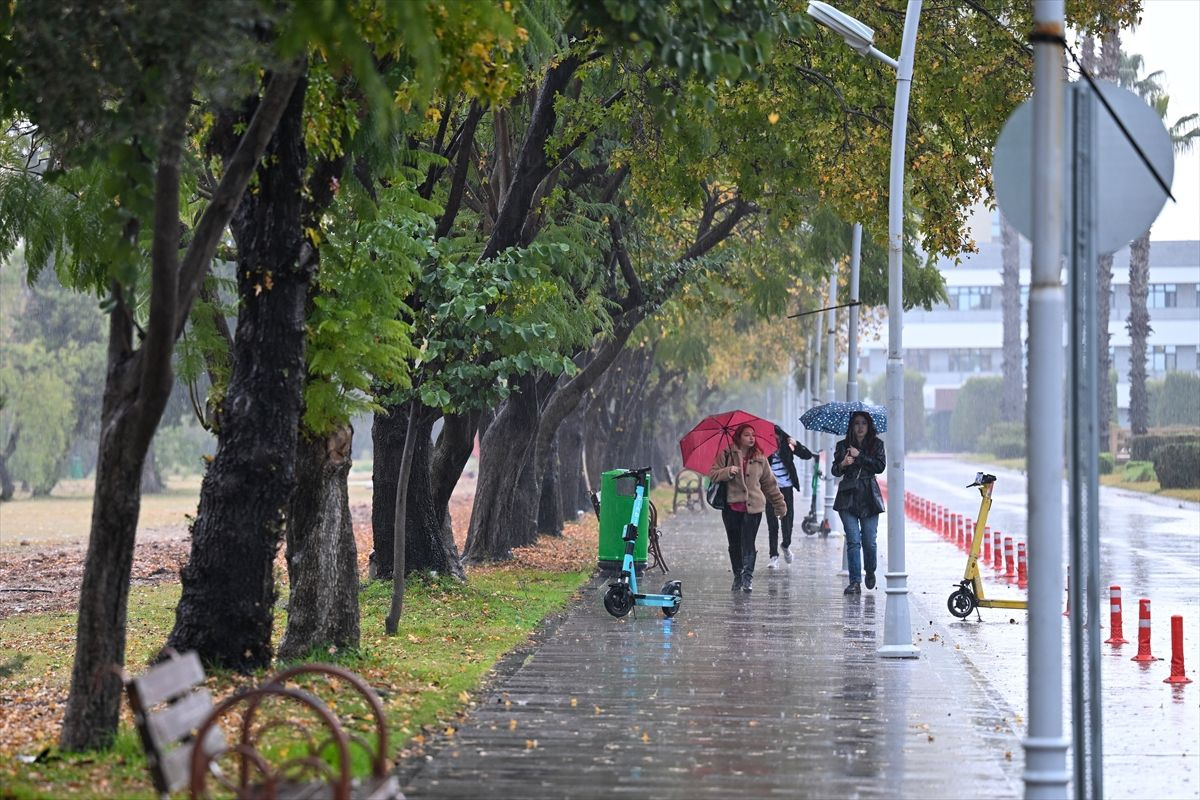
x=819, y=337
x=1046, y=774
x=897, y=625
x=1083, y=476
x=852, y=347
x=830, y=396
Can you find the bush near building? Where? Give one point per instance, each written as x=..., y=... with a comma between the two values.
x=1141, y=448
x=1138, y=472
x=1175, y=400
x=1108, y=463
x=1004, y=440
x=1178, y=465
x=976, y=409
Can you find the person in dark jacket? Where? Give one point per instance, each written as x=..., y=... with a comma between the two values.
x=783, y=464
x=857, y=459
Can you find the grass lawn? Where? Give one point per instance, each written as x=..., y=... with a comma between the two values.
x=1115, y=479
x=432, y=672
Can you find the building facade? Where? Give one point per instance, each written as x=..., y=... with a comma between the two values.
x=962, y=338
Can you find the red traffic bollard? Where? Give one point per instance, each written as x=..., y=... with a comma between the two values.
x=1114, y=609
x=1177, y=673
x=1143, y=654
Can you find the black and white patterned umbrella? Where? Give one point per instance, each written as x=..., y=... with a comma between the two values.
x=835, y=417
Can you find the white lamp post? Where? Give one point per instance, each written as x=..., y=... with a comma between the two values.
x=897, y=624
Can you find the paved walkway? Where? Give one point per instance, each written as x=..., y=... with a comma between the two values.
x=778, y=693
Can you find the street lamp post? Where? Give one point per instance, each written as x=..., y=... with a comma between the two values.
x=897, y=624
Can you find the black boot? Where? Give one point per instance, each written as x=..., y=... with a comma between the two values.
x=747, y=582
x=737, y=584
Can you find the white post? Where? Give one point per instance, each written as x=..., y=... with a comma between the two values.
x=1046, y=774
x=852, y=347
x=897, y=625
x=830, y=395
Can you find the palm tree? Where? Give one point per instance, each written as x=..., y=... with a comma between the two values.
x=1184, y=133
x=1110, y=58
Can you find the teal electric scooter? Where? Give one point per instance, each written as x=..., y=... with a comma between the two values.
x=622, y=594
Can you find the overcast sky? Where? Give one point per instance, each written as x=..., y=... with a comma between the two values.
x=1167, y=40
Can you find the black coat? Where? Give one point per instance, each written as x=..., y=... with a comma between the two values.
x=858, y=493
x=788, y=457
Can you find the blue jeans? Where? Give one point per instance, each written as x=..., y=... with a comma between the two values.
x=860, y=543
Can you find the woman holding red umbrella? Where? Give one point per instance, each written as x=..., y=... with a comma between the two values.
x=750, y=483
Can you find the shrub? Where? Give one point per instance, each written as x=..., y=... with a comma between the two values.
x=1177, y=400
x=1107, y=463
x=976, y=408
x=1141, y=448
x=1138, y=472
x=1178, y=465
x=1004, y=440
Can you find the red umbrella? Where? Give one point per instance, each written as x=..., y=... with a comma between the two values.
x=702, y=443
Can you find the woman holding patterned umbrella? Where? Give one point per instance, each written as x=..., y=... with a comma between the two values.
x=857, y=459
x=750, y=483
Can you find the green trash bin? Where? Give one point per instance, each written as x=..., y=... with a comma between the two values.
x=616, y=506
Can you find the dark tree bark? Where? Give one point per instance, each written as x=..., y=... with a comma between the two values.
x=570, y=465
x=428, y=548
x=7, y=487
x=1138, y=325
x=152, y=482
x=1012, y=393
x=387, y=443
x=322, y=558
x=226, y=610
x=391, y=623
x=503, y=454
x=550, y=503
x=137, y=386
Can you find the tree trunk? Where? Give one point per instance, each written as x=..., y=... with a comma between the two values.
x=570, y=465
x=7, y=488
x=1138, y=325
x=550, y=505
x=502, y=462
x=427, y=548
x=1012, y=393
x=391, y=623
x=387, y=443
x=95, y=698
x=322, y=559
x=152, y=482
x=226, y=611
x=137, y=385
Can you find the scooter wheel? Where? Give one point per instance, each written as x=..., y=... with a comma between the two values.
x=674, y=588
x=961, y=603
x=618, y=600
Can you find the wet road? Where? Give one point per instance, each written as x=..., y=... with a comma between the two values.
x=775, y=694
x=1150, y=547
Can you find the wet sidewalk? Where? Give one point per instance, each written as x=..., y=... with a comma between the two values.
x=777, y=693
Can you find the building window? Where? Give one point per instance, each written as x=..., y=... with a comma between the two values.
x=1163, y=358
x=969, y=361
x=1162, y=295
x=918, y=360
x=969, y=298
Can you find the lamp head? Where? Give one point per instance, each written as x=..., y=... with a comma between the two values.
x=859, y=36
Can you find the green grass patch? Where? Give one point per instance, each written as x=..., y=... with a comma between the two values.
x=450, y=637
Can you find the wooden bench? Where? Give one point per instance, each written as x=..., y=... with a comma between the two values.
x=690, y=484
x=287, y=742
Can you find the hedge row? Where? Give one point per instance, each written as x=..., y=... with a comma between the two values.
x=1141, y=448
x=1178, y=465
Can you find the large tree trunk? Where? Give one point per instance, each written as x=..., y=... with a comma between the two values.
x=137, y=386
x=1138, y=325
x=503, y=453
x=152, y=481
x=1012, y=393
x=95, y=697
x=570, y=464
x=322, y=559
x=226, y=611
x=7, y=487
x=387, y=444
x=550, y=501
x=427, y=546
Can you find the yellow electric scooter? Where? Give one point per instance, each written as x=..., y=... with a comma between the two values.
x=968, y=596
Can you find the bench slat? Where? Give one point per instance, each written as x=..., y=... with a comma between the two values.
x=176, y=766
x=179, y=719
x=168, y=679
